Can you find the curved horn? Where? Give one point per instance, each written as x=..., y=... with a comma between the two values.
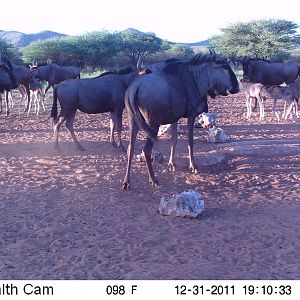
x=139, y=63
x=213, y=54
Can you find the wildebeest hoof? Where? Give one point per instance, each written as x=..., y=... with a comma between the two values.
x=122, y=148
x=113, y=143
x=154, y=183
x=81, y=148
x=172, y=167
x=194, y=170
x=126, y=186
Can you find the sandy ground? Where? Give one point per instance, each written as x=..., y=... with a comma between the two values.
x=65, y=216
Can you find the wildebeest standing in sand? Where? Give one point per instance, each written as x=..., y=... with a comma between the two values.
x=101, y=94
x=53, y=74
x=269, y=73
x=7, y=79
x=163, y=97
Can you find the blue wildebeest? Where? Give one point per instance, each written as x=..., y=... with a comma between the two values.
x=163, y=97
x=53, y=74
x=252, y=91
x=36, y=96
x=23, y=77
x=104, y=93
x=269, y=73
x=290, y=94
x=7, y=79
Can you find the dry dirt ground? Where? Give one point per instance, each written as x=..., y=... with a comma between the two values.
x=65, y=216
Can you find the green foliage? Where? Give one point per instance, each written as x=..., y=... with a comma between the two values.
x=175, y=51
x=92, y=49
x=271, y=39
x=9, y=50
x=135, y=45
x=95, y=49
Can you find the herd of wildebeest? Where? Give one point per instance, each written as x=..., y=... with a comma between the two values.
x=155, y=94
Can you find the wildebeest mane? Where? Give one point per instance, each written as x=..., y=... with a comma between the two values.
x=199, y=59
x=105, y=73
x=171, y=60
x=124, y=71
x=172, y=68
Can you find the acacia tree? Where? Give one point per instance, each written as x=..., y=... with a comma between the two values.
x=182, y=52
x=9, y=50
x=142, y=44
x=92, y=49
x=271, y=39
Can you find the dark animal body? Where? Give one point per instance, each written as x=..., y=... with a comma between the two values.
x=7, y=79
x=269, y=73
x=104, y=93
x=53, y=74
x=23, y=78
x=163, y=97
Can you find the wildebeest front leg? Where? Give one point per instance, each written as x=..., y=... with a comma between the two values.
x=69, y=125
x=112, y=125
x=116, y=122
x=192, y=166
x=171, y=164
x=27, y=89
x=261, y=108
x=274, y=110
x=248, y=107
x=6, y=103
x=46, y=90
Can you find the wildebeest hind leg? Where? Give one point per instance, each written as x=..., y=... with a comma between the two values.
x=56, y=127
x=69, y=125
x=6, y=103
x=171, y=164
x=192, y=165
x=133, y=130
x=112, y=125
x=147, y=152
x=119, y=129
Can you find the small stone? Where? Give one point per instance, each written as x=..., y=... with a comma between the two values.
x=166, y=129
x=206, y=120
x=217, y=135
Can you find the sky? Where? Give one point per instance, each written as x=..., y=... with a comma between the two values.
x=177, y=21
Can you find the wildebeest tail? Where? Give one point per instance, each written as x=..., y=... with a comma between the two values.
x=138, y=117
x=54, y=105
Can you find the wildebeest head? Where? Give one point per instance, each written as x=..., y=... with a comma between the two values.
x=223, y=79
x=7, y=77
x=35, y=73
